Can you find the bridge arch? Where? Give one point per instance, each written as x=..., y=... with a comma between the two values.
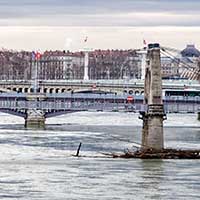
x=125, y=91
x=57, y=90
x=45, y=90
x=130, y=92
x=51, y=90
x=63, y=90
x=25, y=90
x=13, y=112
x=20, y=90
x=137, y=92
x=69, y=89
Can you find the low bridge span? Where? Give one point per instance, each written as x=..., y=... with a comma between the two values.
x=38, y=107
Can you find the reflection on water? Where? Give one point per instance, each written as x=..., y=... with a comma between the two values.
x=37, y=164
x=153, y=176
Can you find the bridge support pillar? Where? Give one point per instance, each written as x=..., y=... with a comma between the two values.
x=198, y=117
x=35, y=119
x=152, y=132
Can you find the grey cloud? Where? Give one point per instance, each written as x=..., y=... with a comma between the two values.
x=98, y=12
x=107, y=20
x=91, y=6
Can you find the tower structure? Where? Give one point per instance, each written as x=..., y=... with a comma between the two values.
x=86, y=62
x=86, y=51
x=152, y=132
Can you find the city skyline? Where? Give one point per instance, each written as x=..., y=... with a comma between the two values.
x=114, y=24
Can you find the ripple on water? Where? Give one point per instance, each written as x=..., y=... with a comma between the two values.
x=38, y=164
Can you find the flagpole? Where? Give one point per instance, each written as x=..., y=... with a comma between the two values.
x=86, y=61
x=35, y=56
x=36, y=79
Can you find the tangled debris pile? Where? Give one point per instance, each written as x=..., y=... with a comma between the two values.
x=160, y=154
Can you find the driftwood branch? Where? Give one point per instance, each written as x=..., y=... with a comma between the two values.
x=78, y=150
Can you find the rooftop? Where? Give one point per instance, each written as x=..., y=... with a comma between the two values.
x=190, y=51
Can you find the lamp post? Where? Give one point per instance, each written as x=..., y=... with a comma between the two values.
x=35, y=57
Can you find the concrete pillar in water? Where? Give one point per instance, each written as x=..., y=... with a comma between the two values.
x=152, y=134
x=144, y=129
x=155, y=139
x=146, y=99
x=35, y=119
x=35, y=116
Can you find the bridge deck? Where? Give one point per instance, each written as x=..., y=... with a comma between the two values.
x=61, y=103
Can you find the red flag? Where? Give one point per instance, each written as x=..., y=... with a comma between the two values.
x=38, y=55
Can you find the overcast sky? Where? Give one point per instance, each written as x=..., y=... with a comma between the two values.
x=63, y=24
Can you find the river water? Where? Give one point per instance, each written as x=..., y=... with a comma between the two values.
x=38, y=164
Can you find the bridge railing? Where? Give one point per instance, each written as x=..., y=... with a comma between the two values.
x=96, y=102
x=64, y=105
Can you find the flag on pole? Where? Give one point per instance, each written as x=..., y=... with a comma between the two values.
x=33, y=55
x=36, y=55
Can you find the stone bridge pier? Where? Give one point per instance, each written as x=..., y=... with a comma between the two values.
x=152, y=132
x=35, y=117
